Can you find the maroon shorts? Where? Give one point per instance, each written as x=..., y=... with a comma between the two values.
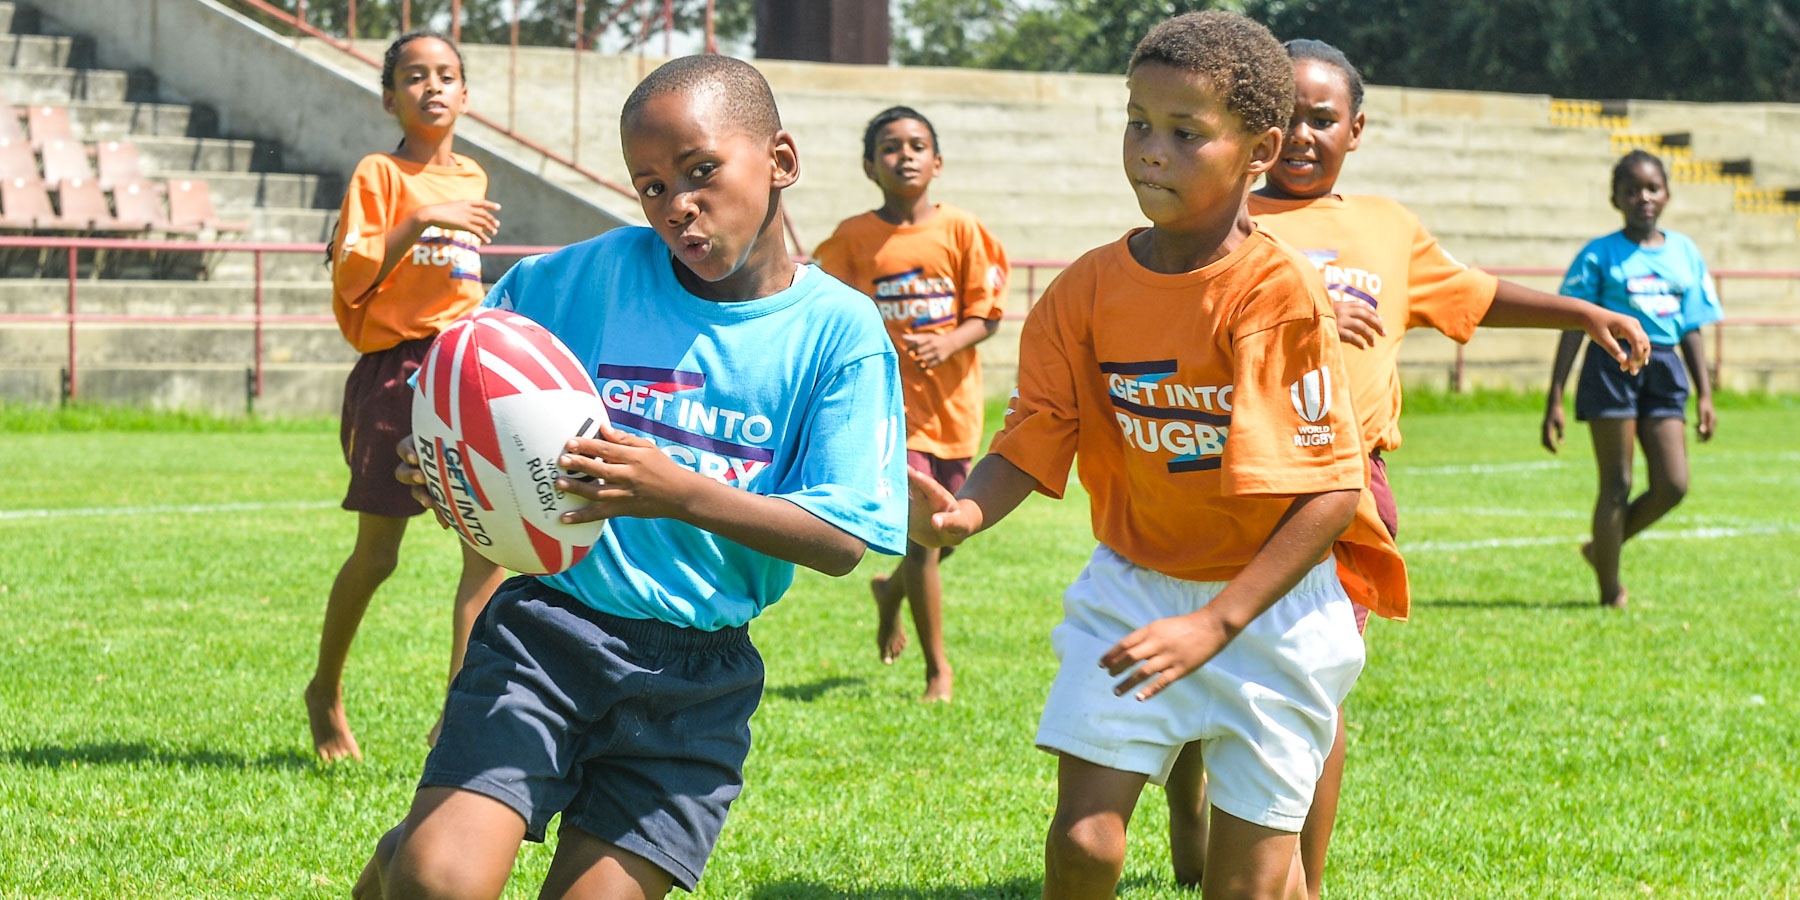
x=1390, y=516
x=377, y=414
x=951, y=473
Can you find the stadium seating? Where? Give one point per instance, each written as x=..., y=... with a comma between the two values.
x=118, y=163
x=65, y=159
x=191, y=205
x=49, y=123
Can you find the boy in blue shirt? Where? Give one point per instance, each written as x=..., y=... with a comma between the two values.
x=756, y=425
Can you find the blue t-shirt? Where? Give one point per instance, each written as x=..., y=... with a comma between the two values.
x=795, y=395
x=1667, y=288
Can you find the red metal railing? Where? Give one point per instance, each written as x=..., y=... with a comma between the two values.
x=259, y=317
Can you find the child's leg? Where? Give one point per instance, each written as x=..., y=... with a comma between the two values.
x=925, y=595
x=1613, y=446
x=889, y=590
x=479, y=578
x=1085, y=852
x=1665, y=456
x=453, y=844
x=1186, y=793
x=1315, y=835
x=1251, y=862
x=371, y=561
x=592, y=869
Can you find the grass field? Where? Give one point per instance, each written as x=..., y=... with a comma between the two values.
x=163, y=583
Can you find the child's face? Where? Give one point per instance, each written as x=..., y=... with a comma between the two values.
x=1320, y=132
x=708, y=187
x=1641, y=195
x=906, y=159
x=1187, y=156
x=428, y=87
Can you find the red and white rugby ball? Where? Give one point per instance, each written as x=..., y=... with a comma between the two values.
x=497, y=398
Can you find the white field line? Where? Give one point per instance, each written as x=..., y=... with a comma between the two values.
x=1685, y=534
x=182, y=509
x=1476, y=468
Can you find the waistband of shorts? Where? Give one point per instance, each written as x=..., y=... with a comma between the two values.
x=1319, y=577
x=653, y=633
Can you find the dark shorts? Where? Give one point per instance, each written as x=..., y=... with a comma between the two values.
x=1658, y=391
x=951, y=473
x=635, y=730
x=377, y=414
x=1390, y=516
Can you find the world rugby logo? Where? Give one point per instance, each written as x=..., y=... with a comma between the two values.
x=1312, y=394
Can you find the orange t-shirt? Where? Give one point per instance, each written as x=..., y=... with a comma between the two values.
x=1375, y=250
x=440, y=278
x=1197, y=405
x=927, y=278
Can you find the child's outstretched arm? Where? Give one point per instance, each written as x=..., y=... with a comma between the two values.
x=1167, y=649
x=634, y=478
x=1693, y=352
x=1517, y=306
x=995, y=488
x=930, y=350
x=1551, y=432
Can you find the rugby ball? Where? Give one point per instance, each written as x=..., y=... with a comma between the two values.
x=497, y=398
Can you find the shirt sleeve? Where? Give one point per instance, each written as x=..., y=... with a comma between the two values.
x=853, y=459
x=1700, y=306
x=985, y=273
x=1292, y=430
x=1444, y=294
x=361, y=239
x=1043, y=415
x=1584, y=278
x=833, y=258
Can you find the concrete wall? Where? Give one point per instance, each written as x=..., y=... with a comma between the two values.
x=261, y=86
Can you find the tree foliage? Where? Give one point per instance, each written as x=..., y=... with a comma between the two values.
x=616, y=24
x=1710, y=50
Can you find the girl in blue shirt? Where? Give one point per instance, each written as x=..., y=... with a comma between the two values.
x=1656, y=275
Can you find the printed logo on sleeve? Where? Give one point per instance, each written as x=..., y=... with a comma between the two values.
x=1185, y=426
x=726, y=445
x=1312, y=401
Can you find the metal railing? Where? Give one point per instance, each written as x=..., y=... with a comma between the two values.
x=258, y=317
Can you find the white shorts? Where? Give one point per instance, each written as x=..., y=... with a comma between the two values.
x=1264, y=709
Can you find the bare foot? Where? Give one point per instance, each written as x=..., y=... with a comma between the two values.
x=368, y=884
x=890, y=637
x=937, y=686
x=1617, y=601
x=331, y=735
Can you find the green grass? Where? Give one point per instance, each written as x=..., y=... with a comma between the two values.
x=1513, y=740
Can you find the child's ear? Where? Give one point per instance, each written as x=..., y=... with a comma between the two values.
x=869, y=170
x=1356, y=127
x=387, y=101
x=785, y=156
x=1264, y=152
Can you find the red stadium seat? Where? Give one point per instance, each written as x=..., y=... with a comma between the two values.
x=25, y=205
x=140, y=205
x=49, y=123
x=118, y=163
x=82, y=201
x=10, y=129
x=16, y=159
x=190, y=204
x=64, y=160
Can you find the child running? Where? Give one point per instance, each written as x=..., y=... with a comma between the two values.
x=1656, y=276
x=405, y=263
x=938, y=278
x=1193, y=372
x=1385, y=274
x=619, y=693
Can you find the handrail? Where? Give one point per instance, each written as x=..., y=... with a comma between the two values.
x=258, y=318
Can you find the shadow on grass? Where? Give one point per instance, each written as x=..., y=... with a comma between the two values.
x=1012, y=889
x=807, y=693
x=117, y=753
x=1506, y=603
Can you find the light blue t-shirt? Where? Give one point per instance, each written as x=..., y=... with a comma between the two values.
x=794, y=395
x=1667, y=288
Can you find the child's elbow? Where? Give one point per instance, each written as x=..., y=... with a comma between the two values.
x=840, y=560
x=1340, y=510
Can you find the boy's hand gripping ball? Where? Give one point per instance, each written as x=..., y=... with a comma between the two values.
x=498, y=397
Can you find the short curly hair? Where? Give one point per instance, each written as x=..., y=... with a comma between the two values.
x=1238, y=56
x=742, y=91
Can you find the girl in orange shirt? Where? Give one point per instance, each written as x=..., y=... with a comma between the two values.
x=1385, y=274
x=405, y=263
x=937, y=276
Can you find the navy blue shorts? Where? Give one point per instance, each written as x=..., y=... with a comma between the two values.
x=635, y=730
x=1658, y=391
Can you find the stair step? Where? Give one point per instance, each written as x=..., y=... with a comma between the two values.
x=206, y=155
x=25, y=85
x=44, y=51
